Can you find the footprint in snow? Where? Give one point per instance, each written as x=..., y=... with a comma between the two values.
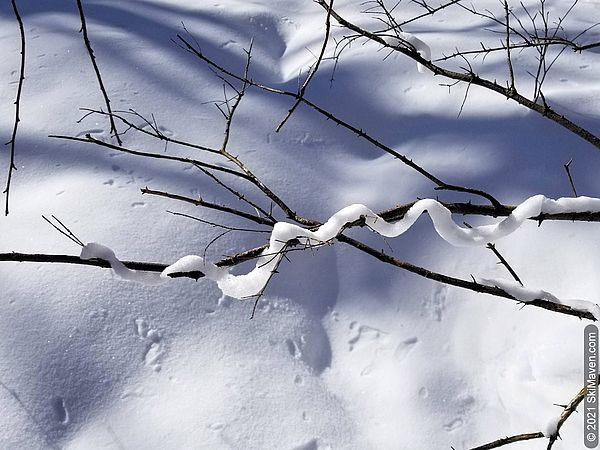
x=365, y=336
x=404, y=348
x=60, y=411
x=434, y=306
x=464, y=404
x=154, y=350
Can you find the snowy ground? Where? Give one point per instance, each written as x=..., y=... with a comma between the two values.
x=344, y=352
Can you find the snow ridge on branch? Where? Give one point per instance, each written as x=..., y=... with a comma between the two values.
x=283, y=234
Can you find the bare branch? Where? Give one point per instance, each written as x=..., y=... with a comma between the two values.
x=200, y=202
x=567, y=411
x=470, y=77
x=88, y=45
x=503, y=261
x=440, y=185
x=312, y=71
x=567, y=167
x=510, y=440
x=64, y=230
x=12, y=166
x=91, y=140
x=465, y=284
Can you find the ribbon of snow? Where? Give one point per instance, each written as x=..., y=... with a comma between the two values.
x=527, y=295
x=94, y=250
x=406, y=38
x=250, y=284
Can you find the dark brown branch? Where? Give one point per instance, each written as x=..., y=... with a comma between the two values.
x=504, y=262
x=579, y=48
x=510, y=440
x=12, y=166
x=430, y=12
x=90, y=140
x=156, y=133
x=134, y=265
x=567, y=167
x=567, y=411
x=88, y=45
x=235, y=160
x=253, y=253
x=238, y=194
x=465, y=284
x=471, y=77
x=511, y=73
x=397, y=212
x=200, y=202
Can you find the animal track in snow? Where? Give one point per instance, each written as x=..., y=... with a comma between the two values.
x=217, y=426
x=154, y=351
x=365, y=336
x=435, y=305
x=404, y=348
x=162, y=130
x=465, y=404
x=313, y=444
x=60, y=411
x=453, y=424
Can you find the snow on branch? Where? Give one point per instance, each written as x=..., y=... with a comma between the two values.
x=254, y=282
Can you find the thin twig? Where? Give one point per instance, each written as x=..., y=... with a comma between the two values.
x=217, y=225
x=511, y=73
x=91, y=140
x=510, y=440
x=440, y=185
x=88, y=45
x=200, y=202
x=543, y=109
x=12, y=166
x=567, y=167
x=155, y=131
x=62, y=229
x=312, y=71
x=503, y=261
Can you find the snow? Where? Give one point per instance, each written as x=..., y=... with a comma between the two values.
x=551, y=427
x=528, y=295
x=254, y=282
x=93, y=250
x=343, y=352
x=403, y=38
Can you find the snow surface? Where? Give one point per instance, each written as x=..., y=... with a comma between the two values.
x=344, y=352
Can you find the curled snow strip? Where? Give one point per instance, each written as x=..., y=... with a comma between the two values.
x=421, y=47
x=528, y=295
x=250, y=284
x=247, y=285
x=93, y=250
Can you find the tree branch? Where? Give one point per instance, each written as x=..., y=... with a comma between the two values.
x=472, y=78
x=88, y=45
x=12, y=166
x=440, y=185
